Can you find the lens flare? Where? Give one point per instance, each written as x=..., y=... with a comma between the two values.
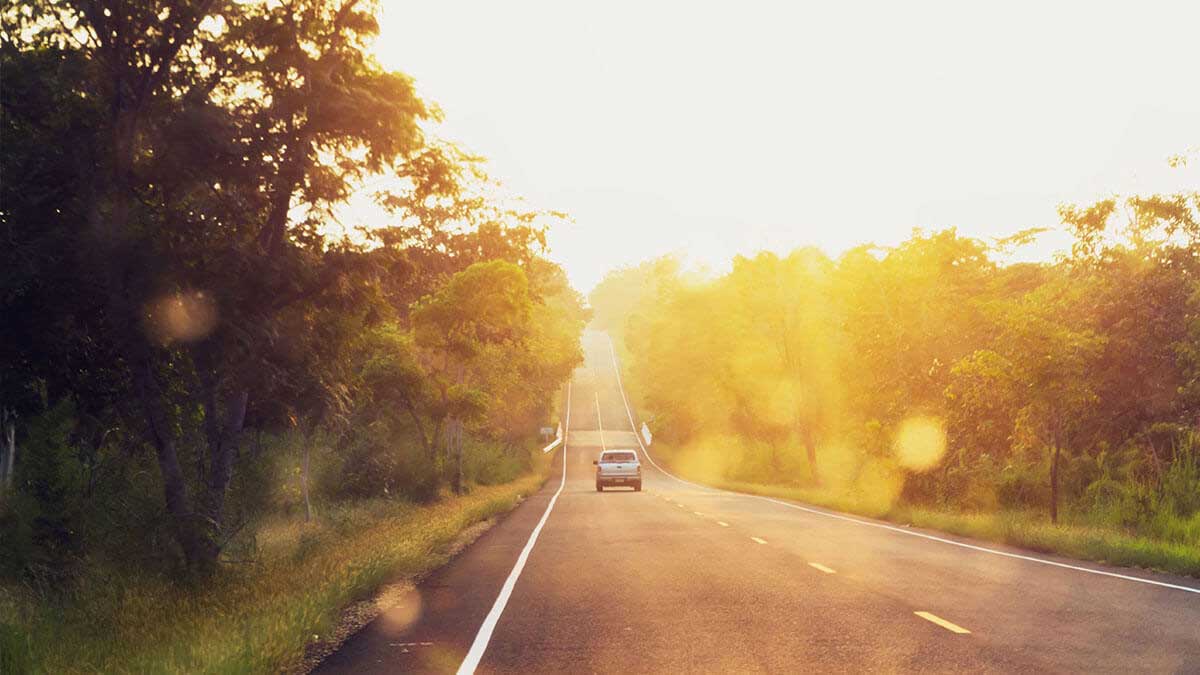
x=402, y=608
x=185, y=316
x=920, y=443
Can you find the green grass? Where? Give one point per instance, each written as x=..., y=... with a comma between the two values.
x=1025, y=529
x=253, y=617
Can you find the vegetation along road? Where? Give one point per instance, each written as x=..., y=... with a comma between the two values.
x=683, y=577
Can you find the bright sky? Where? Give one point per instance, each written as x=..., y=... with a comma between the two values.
x=726, y=127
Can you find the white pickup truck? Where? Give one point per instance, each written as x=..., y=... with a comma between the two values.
x=618, y=467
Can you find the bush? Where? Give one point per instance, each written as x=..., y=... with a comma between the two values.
x=379, y=462
x=1168, y=510
x=493, y=463
x=14, y=649
x=1180, y=485
x=42, y=523
x=1023, y=484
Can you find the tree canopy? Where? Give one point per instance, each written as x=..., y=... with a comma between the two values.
x=1029, y=382
x=174, y=266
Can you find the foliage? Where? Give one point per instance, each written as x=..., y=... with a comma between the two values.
x=932, y=374
x=262, y=615
x=177, y=285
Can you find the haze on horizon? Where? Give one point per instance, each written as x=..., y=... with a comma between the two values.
x=710, y=129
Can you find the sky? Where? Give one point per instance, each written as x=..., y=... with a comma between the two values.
x=713, y=129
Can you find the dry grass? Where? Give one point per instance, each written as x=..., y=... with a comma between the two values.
x=254, y=617
x=1024, y=529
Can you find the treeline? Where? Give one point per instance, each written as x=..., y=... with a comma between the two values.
x=931, y=373
x=190, y=341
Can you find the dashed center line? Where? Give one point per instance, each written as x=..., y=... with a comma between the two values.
x=819, y=566
x=760, y=541
x=722, y=523
x=933, y=618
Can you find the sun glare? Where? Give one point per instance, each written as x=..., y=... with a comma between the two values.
x=920, y=443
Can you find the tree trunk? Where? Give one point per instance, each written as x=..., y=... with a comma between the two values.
x=455, y=433
x=8, y=453
x=187, y=534
x=1054, y=485
x=222, y=450
x=461, y=481
x=304, y=481
x=114, y=244
x=810, y=448
x=412, y=412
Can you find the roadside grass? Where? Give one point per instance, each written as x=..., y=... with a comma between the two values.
x=254, y=616
x=1024, y=529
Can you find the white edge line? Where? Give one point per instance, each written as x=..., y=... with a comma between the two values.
x=600, y=423
x=882, y=526
x=479, y=646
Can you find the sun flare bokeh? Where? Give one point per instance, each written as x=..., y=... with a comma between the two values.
x=539, y=337
x=920, y=443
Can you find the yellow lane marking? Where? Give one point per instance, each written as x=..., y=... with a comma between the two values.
x=761, y=541
x=722, y=523
x=821, y=567
x=953, y=628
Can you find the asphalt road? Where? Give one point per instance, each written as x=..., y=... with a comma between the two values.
x=682, y=578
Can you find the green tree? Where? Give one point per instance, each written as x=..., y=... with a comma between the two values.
x=219, y=136
x=485, y=305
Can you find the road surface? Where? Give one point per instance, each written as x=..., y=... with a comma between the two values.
x=683, y=578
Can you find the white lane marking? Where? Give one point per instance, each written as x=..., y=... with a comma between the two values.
x=882, y=526
x=680, y=505
x=760, y=541
x=819, y=566
x=479, y=646
x=933, y=618
x=600, y=423
x=698, y=513
x=722, y=523
x=552, y=446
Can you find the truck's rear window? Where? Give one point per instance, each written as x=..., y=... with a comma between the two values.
x=617, y=457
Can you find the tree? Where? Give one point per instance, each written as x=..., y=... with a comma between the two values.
x=215, y=137
x=485, y=305
x=1049, y=364
x=909, y=313
x=788, y=321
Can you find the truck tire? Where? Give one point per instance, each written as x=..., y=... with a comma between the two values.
x=599, y=487
x=637, y=487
